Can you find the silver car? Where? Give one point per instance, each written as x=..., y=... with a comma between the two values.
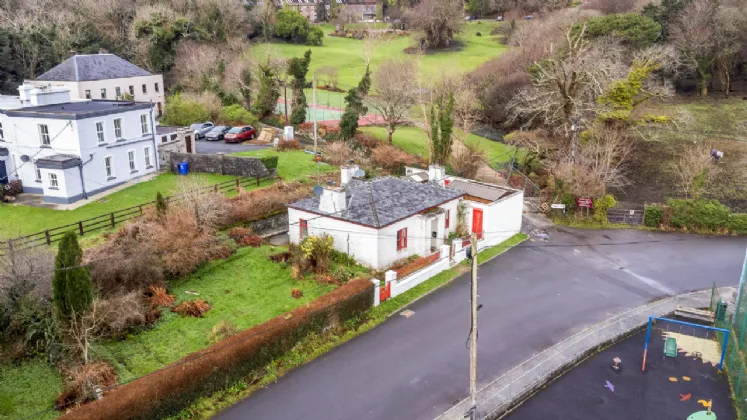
x=201, y=129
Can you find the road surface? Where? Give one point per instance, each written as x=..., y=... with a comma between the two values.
x=534, y=296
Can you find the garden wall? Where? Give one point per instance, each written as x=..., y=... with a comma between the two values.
x=222, y=164
x=271, y=225
x=174, y=387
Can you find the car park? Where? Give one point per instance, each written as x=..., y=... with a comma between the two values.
x=217, y=133
x=201, y=129
x=239, y=134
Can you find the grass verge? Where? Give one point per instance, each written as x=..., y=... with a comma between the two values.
x=315, y=345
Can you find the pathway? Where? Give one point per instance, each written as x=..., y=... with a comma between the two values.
x=534, y=296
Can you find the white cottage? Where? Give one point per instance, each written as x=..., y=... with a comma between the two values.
x=387, y=219
x=68, y=150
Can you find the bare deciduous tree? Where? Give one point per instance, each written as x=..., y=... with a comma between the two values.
x=440, y=21
x=693, y=169
x=207, y=206
x=693, y=34
x=197, y=64
x=264, y=16
x=328, y=75
x=345, y=16
x=84, y=328
x=23, y=272
x=730, y=41
x=395, y=91
x=370, y=44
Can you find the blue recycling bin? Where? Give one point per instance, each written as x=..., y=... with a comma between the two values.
x=183, y=168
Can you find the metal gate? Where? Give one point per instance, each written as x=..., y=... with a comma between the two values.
x=630, y=217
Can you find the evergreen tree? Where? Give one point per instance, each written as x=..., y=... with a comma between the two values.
x=269, y=92
x=298, y=68
x=355, y=107
x=72, y=286
x=245, y=87
x=160, y=204
x=442, y=126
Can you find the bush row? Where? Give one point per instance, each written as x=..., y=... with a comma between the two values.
x=167, y=391
x=699, y=215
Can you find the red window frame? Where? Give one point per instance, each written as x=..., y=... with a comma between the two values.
x=402, y=239
x=303, y=226
x=448, y=217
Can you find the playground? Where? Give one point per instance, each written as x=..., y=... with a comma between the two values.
x=672, y=387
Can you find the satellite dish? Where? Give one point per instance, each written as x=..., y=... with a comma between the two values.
x=25, y=158
x=318, y=191
x=360, y=173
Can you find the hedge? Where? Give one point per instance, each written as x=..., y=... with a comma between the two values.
x=270, y=162
x=167, y=391
x=696, y=215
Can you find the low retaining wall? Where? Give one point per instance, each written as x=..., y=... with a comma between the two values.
x=271, y=225
x=520, y=383
x=221, y=164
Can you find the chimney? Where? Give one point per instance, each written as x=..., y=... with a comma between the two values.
x=333, y=200
x=436, y=173
x=72, y=52
x=103, y=51
x=347, y=172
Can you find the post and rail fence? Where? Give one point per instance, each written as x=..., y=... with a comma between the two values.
x=112, y=219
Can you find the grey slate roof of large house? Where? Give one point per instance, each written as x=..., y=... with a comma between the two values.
x=386, y=200
x=486, y=192
x=83, y=68
x=78, y=110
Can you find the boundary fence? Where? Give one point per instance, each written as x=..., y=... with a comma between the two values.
x=112, y=219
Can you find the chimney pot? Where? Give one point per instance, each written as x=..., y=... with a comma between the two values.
x=72, y=53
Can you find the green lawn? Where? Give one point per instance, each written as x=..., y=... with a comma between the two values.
x=23, y=220
x=345, y=53
x=414, y=140
x=291, y=164
x=28, y=388
x=245, y=289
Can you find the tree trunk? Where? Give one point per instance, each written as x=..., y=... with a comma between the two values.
x=390, y=134
x=703, y=83
x=727, y=83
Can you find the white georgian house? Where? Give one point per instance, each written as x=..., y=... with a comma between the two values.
x=384, y=220
x=68, y=150
x=104, y=76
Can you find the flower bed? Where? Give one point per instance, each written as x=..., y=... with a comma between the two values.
x=416, y=265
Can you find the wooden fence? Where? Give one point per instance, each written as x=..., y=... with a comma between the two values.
x=110, y=220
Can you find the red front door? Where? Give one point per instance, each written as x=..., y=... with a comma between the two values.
x=477, y=222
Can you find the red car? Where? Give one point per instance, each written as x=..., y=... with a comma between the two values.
x=239, y=134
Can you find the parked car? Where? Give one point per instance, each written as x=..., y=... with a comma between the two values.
x=239, y=134
x=217, y=133
x=201, y=129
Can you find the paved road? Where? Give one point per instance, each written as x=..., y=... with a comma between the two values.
x=534, y=296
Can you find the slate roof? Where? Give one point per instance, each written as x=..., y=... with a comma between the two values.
x=393, y=199
x=83, y=68
x=486, y=192
x=79, y=109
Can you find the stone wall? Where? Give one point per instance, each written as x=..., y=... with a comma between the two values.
x=271, y=225
x=221, y=164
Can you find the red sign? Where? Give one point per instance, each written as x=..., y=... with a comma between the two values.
x=587, y=202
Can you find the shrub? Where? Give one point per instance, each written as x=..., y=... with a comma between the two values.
x=237, y=357
x=317, y=250
x=601, y=205
x=161, y=205
x=738, y=223
x=478, y=34
x=196, y=308
x=340, y=153
x=344, y=274
x=245, y=237
x=393, y=159
x=297, y=293
x=221, y=331
x=257, y=203
x=698, y=214
x=315, y=36
x=270, y=162
x=72, y=287
x=158, y=296
x=286, y=145
x=125, y=262
x=237, y=115
x=653, y=216
x=183, y=112
x=467, y=161
x=123, y=313
x=365, y=141
x=82, y=380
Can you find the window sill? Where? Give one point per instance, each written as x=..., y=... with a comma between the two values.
x=103, y=144
x=149, y=167
x=45, y=146
x=133, y=172
x=54, y=188
x=38, y=181
x=121, y=139
x=111, y=178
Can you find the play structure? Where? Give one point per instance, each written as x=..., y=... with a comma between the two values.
x=671, y=345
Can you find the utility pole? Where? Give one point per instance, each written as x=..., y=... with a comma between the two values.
x=285, y=101
x=473, y=335
x=316, y=143
x=574, y=139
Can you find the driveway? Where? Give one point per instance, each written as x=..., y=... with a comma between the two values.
x=534, y=296
x=212, y=147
